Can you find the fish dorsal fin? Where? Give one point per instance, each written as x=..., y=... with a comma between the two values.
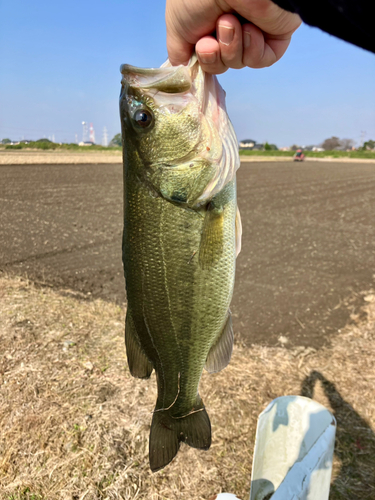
x=221, y=352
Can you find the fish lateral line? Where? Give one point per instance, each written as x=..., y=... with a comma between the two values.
x=175, y=399
x=190, y=413
x=191, y=258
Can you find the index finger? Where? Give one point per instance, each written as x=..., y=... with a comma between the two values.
x=179, y=50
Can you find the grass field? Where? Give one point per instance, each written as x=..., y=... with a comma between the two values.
x=312, y=154
x=38, y=146
x=47, y=146
x=74, y=424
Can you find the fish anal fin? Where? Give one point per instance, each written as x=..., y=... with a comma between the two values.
x=212, y=238
x=167, y=432
x=221, y=352
x=139, y=364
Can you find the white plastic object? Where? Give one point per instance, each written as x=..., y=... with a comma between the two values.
x=293, y=451
x=225, y=496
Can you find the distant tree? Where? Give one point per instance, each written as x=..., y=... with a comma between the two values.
x=6, y=141
x=295, y=147
x=369, y=145
x=43, y=140
x=332, y=143
x=116, y=141
x=346, y=143
x=249, y=141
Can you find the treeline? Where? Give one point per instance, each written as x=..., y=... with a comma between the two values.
x=357, y=153
x=46, y=144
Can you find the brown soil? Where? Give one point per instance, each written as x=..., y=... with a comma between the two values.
x=308, y=244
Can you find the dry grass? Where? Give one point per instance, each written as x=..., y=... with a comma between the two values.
x=74, y=424
x=58, y=157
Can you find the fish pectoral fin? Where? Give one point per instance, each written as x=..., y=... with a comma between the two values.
x=221, y=352
x=139, y=364
x=212, y=239
x=167, y=432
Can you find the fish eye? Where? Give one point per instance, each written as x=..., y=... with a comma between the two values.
x=143, y=117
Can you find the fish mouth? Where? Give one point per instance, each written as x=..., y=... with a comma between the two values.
x=171, y=79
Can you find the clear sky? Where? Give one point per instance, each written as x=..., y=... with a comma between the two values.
x=59, y=66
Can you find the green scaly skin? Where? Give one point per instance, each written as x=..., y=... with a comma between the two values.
x=179, y=256
x=178, y=308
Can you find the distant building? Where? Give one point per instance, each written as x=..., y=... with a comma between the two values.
x=86, y=143
x=247, y=144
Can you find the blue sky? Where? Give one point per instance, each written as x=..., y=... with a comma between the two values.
x=60, y=66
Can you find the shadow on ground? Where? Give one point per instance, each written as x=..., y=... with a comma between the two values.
x=355, y=444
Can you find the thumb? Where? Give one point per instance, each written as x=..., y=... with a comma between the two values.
x=179, y=50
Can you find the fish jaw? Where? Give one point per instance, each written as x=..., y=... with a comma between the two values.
x=172, y=80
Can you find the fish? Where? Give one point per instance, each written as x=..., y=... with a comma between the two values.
x=181, y=236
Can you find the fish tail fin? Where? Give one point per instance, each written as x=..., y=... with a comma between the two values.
x=167, y=432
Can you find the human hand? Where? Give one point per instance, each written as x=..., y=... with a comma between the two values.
x=258, y=43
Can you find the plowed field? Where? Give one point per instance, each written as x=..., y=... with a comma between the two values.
x=308, y=243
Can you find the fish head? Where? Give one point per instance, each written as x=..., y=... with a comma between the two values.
x=159, y=114
x=174, y=120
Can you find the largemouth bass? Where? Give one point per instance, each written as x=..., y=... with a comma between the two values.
x=182, y=232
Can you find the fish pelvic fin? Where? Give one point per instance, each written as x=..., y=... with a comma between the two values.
x=139, y=364
x=221, y=352
x=167, y=432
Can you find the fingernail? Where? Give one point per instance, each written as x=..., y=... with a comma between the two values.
x=246, y=39
x=226, y=34
x=207, y=57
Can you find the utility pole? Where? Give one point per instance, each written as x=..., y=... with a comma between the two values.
x=105, y=137
x=92, y=133
x=84, y=131
x=363, y=135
